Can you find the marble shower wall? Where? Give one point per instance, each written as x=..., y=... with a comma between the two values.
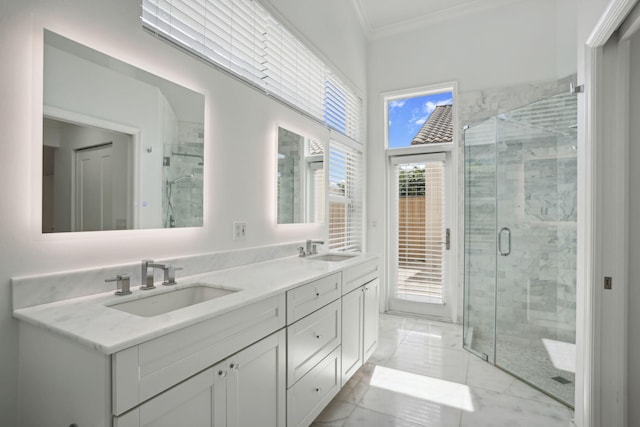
x=536, y=199
x=186, y=194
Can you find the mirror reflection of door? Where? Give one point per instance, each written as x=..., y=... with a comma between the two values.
x=94, y=195
x=87, y=178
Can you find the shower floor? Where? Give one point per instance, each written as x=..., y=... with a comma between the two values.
x=532, y=362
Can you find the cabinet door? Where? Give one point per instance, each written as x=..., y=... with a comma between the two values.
x=371, y=317
x=352, y=332
x=189, y=404
x=256, y=390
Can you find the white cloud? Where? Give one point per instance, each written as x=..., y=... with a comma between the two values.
x=420, y=121
x=397, y=103
x=430, y=106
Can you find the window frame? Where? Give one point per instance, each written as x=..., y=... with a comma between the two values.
x=433, y=89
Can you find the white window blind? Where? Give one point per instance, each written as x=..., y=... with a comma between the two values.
x=245, y=39
x=345, y=198
x=420, y=231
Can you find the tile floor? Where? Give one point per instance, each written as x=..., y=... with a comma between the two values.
x=421, y=376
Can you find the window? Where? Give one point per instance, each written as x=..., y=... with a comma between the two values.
x=420, y=119
x=345, y=197
x=243, y=38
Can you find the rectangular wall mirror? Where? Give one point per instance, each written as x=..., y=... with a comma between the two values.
x=122, y=148
x=301, y=179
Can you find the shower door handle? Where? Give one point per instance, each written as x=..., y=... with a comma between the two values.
x=503, y=229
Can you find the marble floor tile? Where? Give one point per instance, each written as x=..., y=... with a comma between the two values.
x=431, y=361
x=406, y=400
x=499, y=409
x=484, y=375
x=421, y=376
x=336, y=412
x=362, y=417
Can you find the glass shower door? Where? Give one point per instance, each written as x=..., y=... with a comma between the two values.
x=536, y=189
x=480, y=239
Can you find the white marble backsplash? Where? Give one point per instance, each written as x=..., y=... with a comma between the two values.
x=45, y=288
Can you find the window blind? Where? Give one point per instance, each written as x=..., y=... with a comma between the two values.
x=245, y=39
x=420, y=231
x=345, y=198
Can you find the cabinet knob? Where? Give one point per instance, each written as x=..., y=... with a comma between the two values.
x=317, y=389
x=234, y=365
x=222, y=373
x=317, y=294
x=318, y=336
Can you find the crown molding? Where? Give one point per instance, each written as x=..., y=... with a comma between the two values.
x=399, y=27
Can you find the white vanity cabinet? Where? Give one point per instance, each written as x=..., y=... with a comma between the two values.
x=360, y=316
x=221, y=371
x=244, y=390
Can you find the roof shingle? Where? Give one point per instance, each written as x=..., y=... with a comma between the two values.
x=438, y=128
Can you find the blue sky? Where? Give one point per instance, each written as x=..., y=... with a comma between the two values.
x=406, y=116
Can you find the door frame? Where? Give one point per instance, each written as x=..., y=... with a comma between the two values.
x=457, y=221
x=598, y=251
x=134, y=209
x=447, y=311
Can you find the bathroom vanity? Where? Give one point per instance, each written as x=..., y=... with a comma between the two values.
x=272, y=350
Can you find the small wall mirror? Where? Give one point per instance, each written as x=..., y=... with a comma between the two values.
x=301, y=179
x=122, y=148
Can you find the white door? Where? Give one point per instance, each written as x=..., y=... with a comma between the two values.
x=420, y=237
x=371, y=322
x=352, y=329
x=190, y=403
x=256, y=389
x=94, y=185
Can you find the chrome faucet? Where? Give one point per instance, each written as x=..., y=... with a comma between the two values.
x=147, y=274
x=311, y=247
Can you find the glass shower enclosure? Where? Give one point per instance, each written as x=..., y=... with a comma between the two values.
x=520, y=243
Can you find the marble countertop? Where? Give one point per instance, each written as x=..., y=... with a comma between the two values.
x=89, y=319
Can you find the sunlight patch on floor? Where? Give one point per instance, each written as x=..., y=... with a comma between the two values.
x=422, y=387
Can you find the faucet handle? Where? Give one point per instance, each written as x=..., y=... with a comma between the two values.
x=122, y=284
x=170, y=274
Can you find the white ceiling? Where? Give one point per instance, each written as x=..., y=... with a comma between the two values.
x=380, y=17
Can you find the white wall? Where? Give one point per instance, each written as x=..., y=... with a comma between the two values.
x=517, y=43
x=240, y=127
x=633, y=333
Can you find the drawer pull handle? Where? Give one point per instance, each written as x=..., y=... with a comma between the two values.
x=318, y=336
x=317, y=389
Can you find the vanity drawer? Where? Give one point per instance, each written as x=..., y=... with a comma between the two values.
x=357, y=276
x=308, y=298
x=309, y=396
x=145, y=370
x=310, y=339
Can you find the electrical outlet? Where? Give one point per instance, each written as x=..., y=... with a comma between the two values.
x=239, y=230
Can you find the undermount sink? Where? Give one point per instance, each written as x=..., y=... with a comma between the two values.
x=333, y=257
x=166, y=302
